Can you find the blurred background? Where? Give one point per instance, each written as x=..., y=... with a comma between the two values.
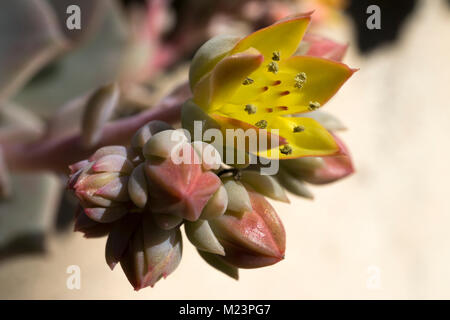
x=380, y=233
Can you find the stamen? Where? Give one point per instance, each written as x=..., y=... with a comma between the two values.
x=299, y=129
x=286, y=149
x=250, y=108
x=300, y=80
x=272, y=67
x=313, y=105
x=276, y=56
x=248, y=81
x=262, y=124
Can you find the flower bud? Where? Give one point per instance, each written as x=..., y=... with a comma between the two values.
x=181, y=189
x=257, y=239
x=101, y=184
x=152, y=253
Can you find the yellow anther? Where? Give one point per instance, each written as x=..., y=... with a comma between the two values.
x=300, y=80
x=250, y=108
x=272, y=67
x=276, y=56
x=286, y=149
x=248, y=81
x=262, y=124
x=313, y=106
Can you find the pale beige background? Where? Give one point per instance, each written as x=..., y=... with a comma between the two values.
x=393, y=214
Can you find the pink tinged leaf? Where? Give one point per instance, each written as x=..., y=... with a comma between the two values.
x=325, y=48
x=73, y=179
x=152, y=254
x=116, y=190
x=180, y=189
x=105, y=215
x=256, y=240
x=119, y=238
x=113, y=163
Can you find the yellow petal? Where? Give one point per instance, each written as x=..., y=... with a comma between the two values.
x=277, y=94
x=226, y=77
x=235, y=124
x=323, y=79
x=305, y=137
x=283, y=36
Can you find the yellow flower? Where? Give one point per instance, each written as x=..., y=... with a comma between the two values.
x=257, y=82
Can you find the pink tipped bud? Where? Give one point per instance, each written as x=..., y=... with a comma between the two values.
x=152, y=253
x=257, y=239
x=180, y=189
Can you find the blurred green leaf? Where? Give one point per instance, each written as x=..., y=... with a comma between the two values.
x=29, y=38
x=29, y=213
x=94, y=63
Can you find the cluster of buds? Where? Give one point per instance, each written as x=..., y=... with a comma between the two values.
x=140, y=196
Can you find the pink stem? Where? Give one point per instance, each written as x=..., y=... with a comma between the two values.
x=56, y=153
